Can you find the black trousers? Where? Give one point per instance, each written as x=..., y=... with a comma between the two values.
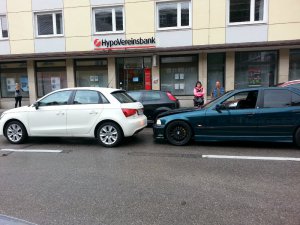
x=18, y=100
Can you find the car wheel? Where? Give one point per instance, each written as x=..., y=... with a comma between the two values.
x=15, y=132
x=178, y=133
x=109, y=134
x=297, y=137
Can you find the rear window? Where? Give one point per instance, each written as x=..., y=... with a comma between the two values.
x=123, y=97
x=135, y=95
x=151, y=96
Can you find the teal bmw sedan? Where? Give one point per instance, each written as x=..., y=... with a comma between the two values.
x=254, y=114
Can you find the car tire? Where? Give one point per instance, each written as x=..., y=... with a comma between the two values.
x=15, y=132
x=297, y=137
x=109, y=134
x=178, y=133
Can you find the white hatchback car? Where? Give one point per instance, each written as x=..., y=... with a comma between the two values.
x=105, y=113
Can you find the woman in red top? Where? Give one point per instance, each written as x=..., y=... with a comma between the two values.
x=199, y=93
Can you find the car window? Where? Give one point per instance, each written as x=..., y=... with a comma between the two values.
x=151, y=96
x=57, y=98
x=135, y=95
x=87, y=97
x=241, y=100
x=295, y=99
x=277, y=98
x=123, y=97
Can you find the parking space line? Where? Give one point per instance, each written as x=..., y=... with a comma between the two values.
x=32, y=150
x=251, y=158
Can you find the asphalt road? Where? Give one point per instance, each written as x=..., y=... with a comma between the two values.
x=143, y=182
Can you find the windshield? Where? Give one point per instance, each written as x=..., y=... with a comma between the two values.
x=210, y=103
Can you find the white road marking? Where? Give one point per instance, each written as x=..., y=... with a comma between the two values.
x=32, y=150
x=251, y=157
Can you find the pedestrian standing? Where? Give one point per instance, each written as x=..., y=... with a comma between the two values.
x=218, y=90
x=199, y=93
x=18, y=95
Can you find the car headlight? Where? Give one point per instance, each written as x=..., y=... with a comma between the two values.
x=158, y=122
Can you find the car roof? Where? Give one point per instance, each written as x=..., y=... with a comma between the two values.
x=266, y=88
x=101, y=89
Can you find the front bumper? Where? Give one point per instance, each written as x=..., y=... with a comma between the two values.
x=158, y=131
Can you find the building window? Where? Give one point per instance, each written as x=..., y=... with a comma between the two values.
x=215, y=70
x=12, y=73
x=174, y=14
x=179, y=74
x=91, y=73
x=256, y=69
x=49, y=24
x=3, y=27
x=51, y=76
x=109, y=20
x=294, y=73
x=247, y=11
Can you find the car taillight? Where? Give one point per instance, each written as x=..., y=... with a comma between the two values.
x=129, y=112
x=171, y=97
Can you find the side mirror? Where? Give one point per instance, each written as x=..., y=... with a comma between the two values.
x=36, y=105
x=219, y=108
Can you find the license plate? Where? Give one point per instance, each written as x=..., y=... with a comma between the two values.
x=140, y=111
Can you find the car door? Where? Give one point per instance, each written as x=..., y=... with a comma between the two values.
x=49, y=119
x=235, y=118
x=84, y=112
x=279, y=114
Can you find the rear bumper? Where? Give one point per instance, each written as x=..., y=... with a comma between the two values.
x=158, y=132
x=132, y=126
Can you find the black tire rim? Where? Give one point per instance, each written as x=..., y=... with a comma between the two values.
x=178, y=133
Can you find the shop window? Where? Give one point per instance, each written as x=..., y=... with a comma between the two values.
x=179, y=74
x=247, y=11
x=49, y=24
x=92, y=73
x=108, y=20
x=294, y=73
x=3, y=27
x=51, y=76
x=12, y=73
x=256, y=69
x=215, y=71
x=174, y=14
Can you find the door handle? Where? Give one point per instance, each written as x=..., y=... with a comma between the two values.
x=296, y=111
x=60, y=113
x=93, y=112
x=250, y=114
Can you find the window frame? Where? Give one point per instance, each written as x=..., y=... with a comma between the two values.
x=252, y=14
x=53, y=13
x=114, y=22
x=1, y=36
x=178, y=27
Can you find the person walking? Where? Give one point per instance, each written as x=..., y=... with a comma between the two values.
x=217, y=91
x=199, y=93
x=18, y=95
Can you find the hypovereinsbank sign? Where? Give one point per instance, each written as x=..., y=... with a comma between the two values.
x=122, y=44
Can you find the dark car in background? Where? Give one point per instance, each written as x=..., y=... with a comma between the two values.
x=256, y=114
x=292, y=83
x=155, y=102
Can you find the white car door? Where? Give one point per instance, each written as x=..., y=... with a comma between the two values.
x=83, y=114
x=51, y=116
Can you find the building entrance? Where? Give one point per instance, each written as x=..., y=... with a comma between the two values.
x=134, y=73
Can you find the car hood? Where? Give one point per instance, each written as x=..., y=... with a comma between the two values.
x=20, y=109
x=177, y=111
